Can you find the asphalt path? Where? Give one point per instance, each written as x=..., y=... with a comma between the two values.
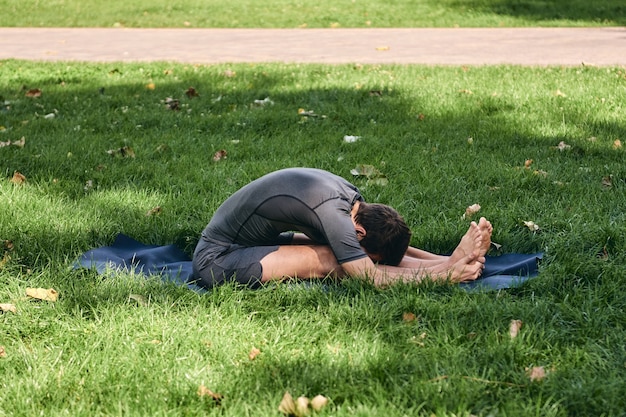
x=454, y=46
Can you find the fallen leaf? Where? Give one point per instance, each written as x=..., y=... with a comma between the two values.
x=191, y=92
x=303, y=112
x=205, y=392
x=8, y=308
x=617, y=144
x=229, y=73
x=219, y=155
x=88, y=185
x=471, y=210
x=514, y=328
x=531, y=225
x=536, y=373
x=302, y=407
x=254, y=352
x=408, y=317
x=420, y=117
x=150, y=86
x=124, y=152
x=34, y=93
x=43, y=294
x=17, y=143
x=139, y=299
x=465, y=91
x=351, y=139
x=318, y=402
x=18, y=178
x=266, y=101
x=559, y=93
x=3, y=352
x=154, y=211
x=562, y=146
x=373, y=175
x=528, y=163
x=287, y=405
x=172, y=104
x=5, y=259
x=376, y=93
x=607, y=181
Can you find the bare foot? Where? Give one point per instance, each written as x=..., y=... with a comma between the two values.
x=470, y=246
x=486, y=229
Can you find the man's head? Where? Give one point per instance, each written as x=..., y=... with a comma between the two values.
x=385, y=234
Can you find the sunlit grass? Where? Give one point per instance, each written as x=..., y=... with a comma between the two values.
x=319, y=14
x=444, y=137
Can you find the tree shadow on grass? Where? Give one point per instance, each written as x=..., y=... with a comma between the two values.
x=68, y=157
x=606, y=11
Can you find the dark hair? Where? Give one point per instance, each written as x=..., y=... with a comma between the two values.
x=386, y=233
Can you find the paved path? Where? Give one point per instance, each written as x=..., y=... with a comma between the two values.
x=524, y=46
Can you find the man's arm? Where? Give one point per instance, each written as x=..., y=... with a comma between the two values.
x=467, y=269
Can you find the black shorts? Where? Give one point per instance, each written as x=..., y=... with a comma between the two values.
x=215, y=264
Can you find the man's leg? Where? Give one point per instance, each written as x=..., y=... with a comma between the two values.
x=300, y=261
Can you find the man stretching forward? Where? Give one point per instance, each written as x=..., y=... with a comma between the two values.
x=307, y=223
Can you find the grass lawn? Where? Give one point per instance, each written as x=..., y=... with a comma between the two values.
x=317, y=14
x=106, y=144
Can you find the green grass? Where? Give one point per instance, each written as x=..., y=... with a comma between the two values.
x=98, y=351
x=318, y=14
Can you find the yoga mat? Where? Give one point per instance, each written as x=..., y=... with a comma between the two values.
x=173, y=265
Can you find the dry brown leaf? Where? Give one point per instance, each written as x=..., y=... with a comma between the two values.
x=205, y=392
x=528, y=163
x=18, y=178
x=408, y=317
x=124, y=152
x=34, y=93
x=3, y=352
x=287, y=405
x=5, y=259
x=318, y=402
x=17, y=143
x=536, y=373
x=514, y=328
x=43, y=294
x=471, y=210
x=617, y=144
x=254, y=352
x=607, y=182
x=191, y=92
x=562, y=146
x=302, y=407
x=531, y=225
x=150, y=86
x=8, y=308
x=219, y=155
x=172, y=104
x=155, y=211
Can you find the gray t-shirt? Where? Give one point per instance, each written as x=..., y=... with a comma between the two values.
x=312, y=201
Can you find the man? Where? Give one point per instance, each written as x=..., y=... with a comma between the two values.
x=308, y=223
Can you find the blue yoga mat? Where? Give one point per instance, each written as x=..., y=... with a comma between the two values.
x=173, y=265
